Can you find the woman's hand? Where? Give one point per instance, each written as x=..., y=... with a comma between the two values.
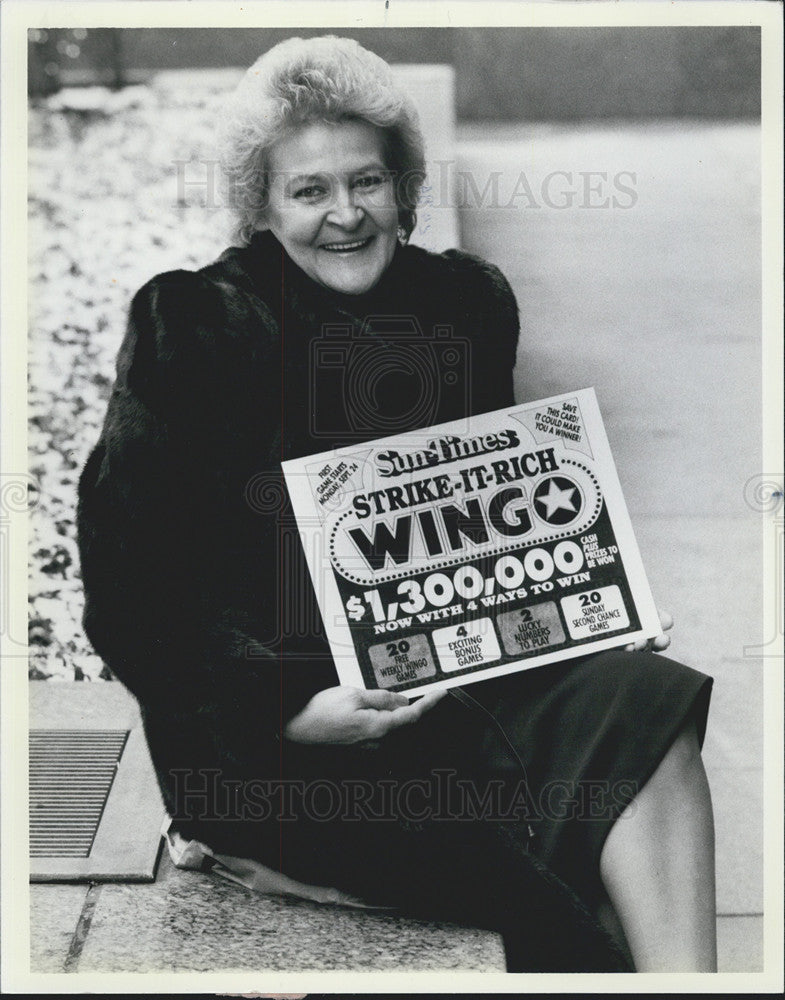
x=660, y=642
x=351, y=715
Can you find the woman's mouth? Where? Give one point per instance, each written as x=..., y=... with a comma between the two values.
x=348, y=246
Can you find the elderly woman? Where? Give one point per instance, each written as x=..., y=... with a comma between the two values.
x=573, y=813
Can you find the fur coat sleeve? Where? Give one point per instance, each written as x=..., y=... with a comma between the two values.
x=165, y=552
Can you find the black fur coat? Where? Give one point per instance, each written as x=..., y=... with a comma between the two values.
x=197, y=594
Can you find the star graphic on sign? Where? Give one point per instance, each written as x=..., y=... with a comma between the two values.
x=558, y=500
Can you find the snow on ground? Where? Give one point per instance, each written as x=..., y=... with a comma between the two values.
x=119, y=191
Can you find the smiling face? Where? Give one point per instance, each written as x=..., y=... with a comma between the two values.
x=332, y=203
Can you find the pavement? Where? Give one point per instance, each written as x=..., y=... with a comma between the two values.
x=656, y=303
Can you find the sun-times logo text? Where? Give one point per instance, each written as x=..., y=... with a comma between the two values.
x=441, y=451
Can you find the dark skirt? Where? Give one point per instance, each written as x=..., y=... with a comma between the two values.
x=436, y=817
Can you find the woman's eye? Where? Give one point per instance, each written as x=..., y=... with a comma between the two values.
x=369, y=181
x=309, y=193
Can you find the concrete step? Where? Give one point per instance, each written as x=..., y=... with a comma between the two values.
x=189, y=922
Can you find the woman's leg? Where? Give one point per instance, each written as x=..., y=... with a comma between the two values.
x=657, y=865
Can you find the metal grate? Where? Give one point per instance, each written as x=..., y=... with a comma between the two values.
x=71, y=775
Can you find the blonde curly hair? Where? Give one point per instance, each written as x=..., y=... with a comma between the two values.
x=303, y=80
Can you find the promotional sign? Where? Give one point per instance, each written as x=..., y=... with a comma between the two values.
x=472, y=549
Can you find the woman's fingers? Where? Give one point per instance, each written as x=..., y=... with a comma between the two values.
x=409, y=713
x=428, y=701
x=641, y=646
x=400, y=717
x=353, y=715
x=385, y=701
x=658, y=643
x=661, y=642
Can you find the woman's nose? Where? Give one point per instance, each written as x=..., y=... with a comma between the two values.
x=345, y=211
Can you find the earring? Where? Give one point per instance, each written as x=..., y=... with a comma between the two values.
x=402, y=237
